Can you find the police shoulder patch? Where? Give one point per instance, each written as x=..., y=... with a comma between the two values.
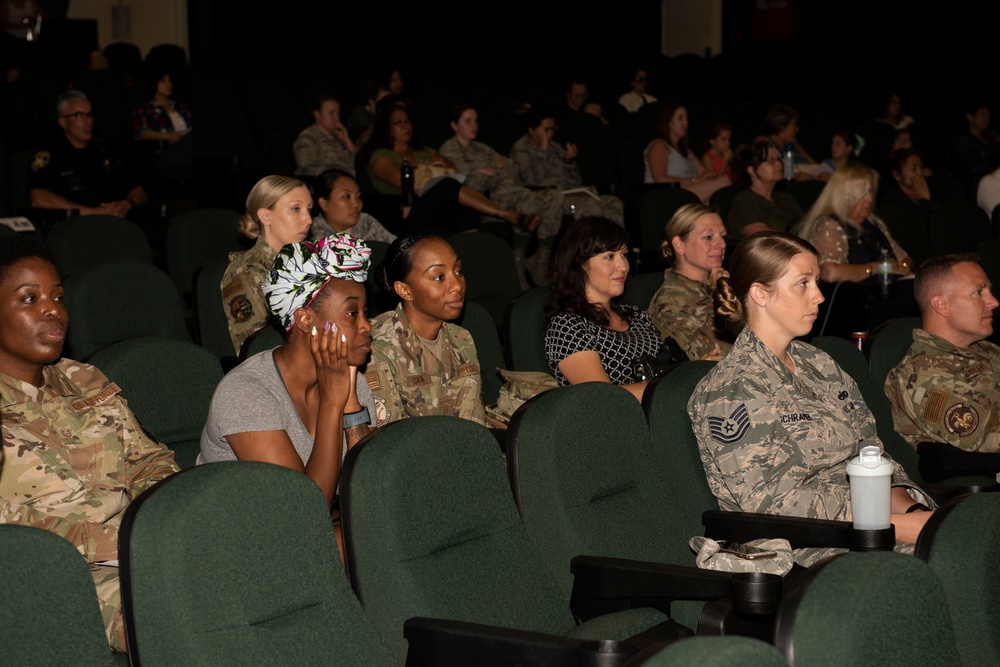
x=961, y=419
x=727, y=430
x=40, y=161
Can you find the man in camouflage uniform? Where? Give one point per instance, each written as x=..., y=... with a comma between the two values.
x=325, y=144
x=74, y=456
x=778, y=442
x=410, y=377
x=947, y=387
x=553, y=166
x=496, y=177
x=242, y=298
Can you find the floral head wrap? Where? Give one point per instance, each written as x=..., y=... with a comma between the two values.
x=301, y=270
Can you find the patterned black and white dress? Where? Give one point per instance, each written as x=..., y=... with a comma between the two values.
x=568, y=333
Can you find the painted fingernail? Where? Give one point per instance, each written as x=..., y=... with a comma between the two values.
x=326, y=327
x=314, y=331
x=343, y=338
x=333, y=328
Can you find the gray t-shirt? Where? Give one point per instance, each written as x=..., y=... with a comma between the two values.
x=252, y=397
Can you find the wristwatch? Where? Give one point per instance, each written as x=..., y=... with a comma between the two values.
x=353, y=419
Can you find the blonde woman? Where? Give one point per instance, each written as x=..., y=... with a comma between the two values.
x=277, y=214
x=682, y=309
x=845, y=232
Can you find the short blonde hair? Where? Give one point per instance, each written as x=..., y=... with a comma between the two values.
x=265, y=194
x=681, y=225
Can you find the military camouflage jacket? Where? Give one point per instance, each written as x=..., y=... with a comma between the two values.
x=407, y=380
x=683, y=309
x=315, y=152
x=777, y=442
x=943, y=393
x=468, y=160
x=74, y=456
x=246, y=307
x=544, y=168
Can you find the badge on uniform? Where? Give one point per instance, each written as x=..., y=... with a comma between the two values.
x=41, y=161
x=727, y=430
x=240, y=308
x=961, y=419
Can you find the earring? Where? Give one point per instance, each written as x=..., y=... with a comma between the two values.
x=409, y=298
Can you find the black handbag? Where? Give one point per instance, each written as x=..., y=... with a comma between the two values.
x=647, y=367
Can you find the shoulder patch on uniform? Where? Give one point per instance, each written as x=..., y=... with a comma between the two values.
x=961, y=419
x=373, y=381
x=934, y=408
x=240, y=308
x=727, y=430
x=40, y=161
x=381, y=412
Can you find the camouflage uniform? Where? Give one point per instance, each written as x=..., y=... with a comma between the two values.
x=408, y=380
x=242, y=298
x=547, y=168
x=777, y=442
x=316, y=151
x=73, y=457
x=503, y=186
x=683, y=309
x=367, y=228
x=943, y=393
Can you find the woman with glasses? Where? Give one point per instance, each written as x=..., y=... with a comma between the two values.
x=759, y=207
x=443, y=204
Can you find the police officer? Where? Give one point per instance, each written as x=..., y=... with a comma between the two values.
x=946, y=387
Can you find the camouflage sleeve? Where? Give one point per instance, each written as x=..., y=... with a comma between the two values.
x=678, y=319
x=308, y=156
x=935, y=405
x=388, y=402
x=246, y=308
x=146, y=461
x=96, y=541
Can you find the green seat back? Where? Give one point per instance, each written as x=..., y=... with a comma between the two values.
x=675, y=448
x=908, y=227
x=722, y=198
x=82, y=242
x=118, y=300
x=876, y=608
x=236, y=563
x=805, y=192
x=959, y=542
x=431, y=529
x=480, y=324
x=209, y=309
x=656, y=207
x=379, y=301
x=266, y=338
x=716, y=652
x=197, y=236
x=50, y=614
x=524, y=331
x=958, y=226
x=490, y=274
x=168, y=385
x=640, y=289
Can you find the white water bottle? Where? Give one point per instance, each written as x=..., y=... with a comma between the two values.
x=884, y=273
x=788, y=163
x=870, y=474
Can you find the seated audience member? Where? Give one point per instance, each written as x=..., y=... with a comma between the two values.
x=759, y=207
x=988, y=192
x=591, y=334
x=161, y=118
x=73, y=454
x=947, y=387
x=682, y=309
x=892, y=113
x=422, y=364
x=637, y=97
x=443, y=202
x=325, y=144
x=668, y=159
x=544, y=163
x=277, y=214
x=777, y=419
x=845, y=232
x=594, y=108
x=841, y=152
x=303, y=404
x=911, y=189
x=781, y=125
x=339, y=199
x=495, y=176
x=975, y=150
x=77, y=172
x=718, y=157
x=575, y=93
x=362, y=118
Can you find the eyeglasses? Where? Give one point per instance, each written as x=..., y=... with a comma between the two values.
x=398, y=123
x=640, y=79
x=79, y=115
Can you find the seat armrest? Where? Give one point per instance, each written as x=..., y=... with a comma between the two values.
x=800, y=532
x=446, y=643
x=598, y=578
